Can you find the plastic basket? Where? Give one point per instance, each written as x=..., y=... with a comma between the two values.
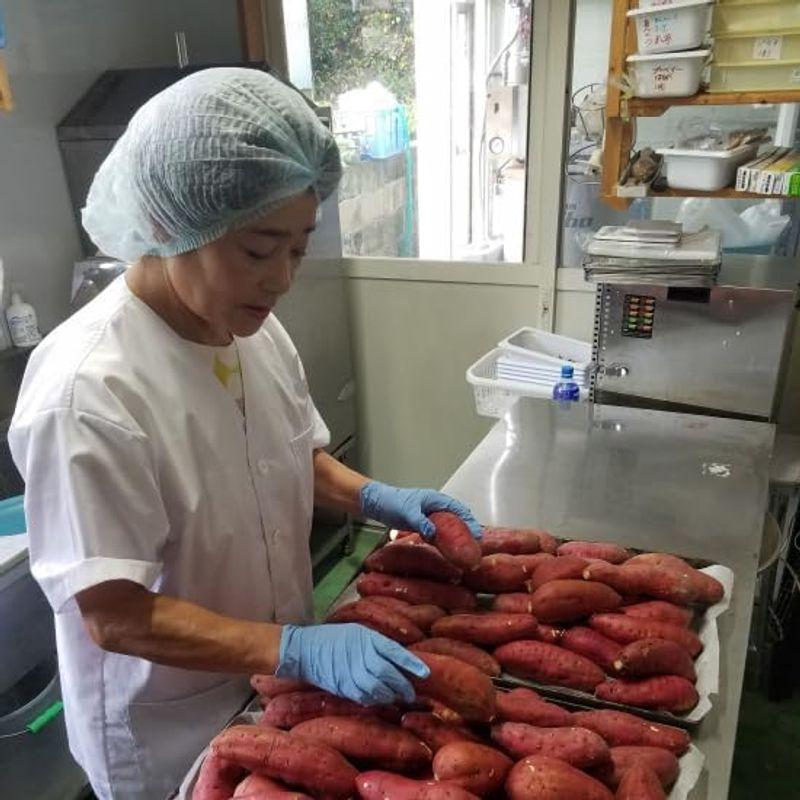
x=548, y=348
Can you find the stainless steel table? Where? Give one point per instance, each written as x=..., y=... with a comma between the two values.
x=648, y=479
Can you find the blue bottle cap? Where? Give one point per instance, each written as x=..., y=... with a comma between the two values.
x=567, y=371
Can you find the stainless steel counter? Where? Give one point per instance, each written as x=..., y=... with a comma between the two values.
x=691, y=485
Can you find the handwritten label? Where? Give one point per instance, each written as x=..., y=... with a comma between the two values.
x=767, y=48
x=795, y=76
x=656, y=30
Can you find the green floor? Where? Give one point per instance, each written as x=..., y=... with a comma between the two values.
x=767, y=759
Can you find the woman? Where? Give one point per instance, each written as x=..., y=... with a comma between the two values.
x=172, y=453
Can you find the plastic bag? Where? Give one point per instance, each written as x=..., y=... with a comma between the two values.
x=759, y=225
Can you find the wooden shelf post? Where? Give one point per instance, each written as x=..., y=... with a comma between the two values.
x=6, y=98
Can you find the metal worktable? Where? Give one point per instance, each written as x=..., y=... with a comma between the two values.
x=654, y=480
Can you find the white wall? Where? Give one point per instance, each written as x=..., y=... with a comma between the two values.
x=55, y=50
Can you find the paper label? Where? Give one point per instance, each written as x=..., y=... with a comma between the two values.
x=795, y=76
x=767, y=48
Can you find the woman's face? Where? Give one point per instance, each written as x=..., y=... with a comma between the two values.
x=233, y=283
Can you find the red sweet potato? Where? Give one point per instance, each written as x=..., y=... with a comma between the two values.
x=619, y=728
x=569, y=600
x=488, y=628
x=410, y=559
x=497, y=573
x=514, y=541
x=217, y=779
x=605, y=551
x=378, y=785
x=662, y=692
x=462, y=687
x=579, y=747
x=708, y=589
x=592, y=645
x=549, y=634
x=662, y=762
x=288, y=710
x=454, y=541
x=423, y=616
x=513, y=603
x=525, y=705
x=316, y=767
x=625, y=629
x=660, y=610
x=561, y=568
x=477, y=768
x=647, y=657
x=545, y=778
x=464, y=651
x=379, y=618
x=640, y=782
x=259, y=787
x=435, y=732
x=548, y=663
x=532, y=560
x=269, y=686
x=416, y=591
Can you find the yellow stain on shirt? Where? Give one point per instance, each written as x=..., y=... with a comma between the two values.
x=224, y=372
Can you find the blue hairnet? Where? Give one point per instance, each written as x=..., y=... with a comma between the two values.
x=213, y=151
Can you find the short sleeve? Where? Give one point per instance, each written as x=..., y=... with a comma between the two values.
x=322, y=436
x=94, y=511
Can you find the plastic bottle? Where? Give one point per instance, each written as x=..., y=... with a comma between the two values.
x=566, y=389
x=5, y=336
x=22, y=322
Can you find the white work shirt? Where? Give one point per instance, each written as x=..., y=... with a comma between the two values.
x=139, y=465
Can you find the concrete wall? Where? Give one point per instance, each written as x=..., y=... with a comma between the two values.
x=54, y=51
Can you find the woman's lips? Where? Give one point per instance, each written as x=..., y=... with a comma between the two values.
x=260, y=312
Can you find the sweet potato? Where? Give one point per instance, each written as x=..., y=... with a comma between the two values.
x=269, y=686
x=370, y=740
x=548, y=663
x=416, y=591
x=549, y=634
x=488, y=628
x=592, y=645
x=378, y=785
x=497, y=573
x=569, y=600
x=561, y=568
x=423, y=616
x=660, y=610
x=648, y=580
x=460, y=686
x=605, y=551
x=648, y=657
x=259, y=787
x=532, y=560
x=662, y=692
x=435, y=732
x=525, y=705
x=410, y=559
x=579, y=747
x=379, y=618
x=619, y=728
x=477, y=768
x=288, y=710
x=640, y=782
x=545, y=778
x=625, y=629
x=512, y=603
x=217, y=779
x=454, y=541
x=464, y=651
x=514, y=541
x=662, y=762
x=709, y=590
x=316, y=767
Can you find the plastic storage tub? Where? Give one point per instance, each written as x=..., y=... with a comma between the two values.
x=704, y=170
x=761, y=47
x=678, y=26
x=755, y=76
x=548, y=348
x=752, y=17
x=667, y=74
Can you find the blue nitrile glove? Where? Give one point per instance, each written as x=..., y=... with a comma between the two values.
x=407, y=509
x=349, y=660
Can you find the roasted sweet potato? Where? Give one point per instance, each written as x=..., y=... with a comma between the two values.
x=316, y=767
x=619, y=728
x=410, y=559
x=592, y=645
x=561, y=568
x=662, y=762
x=624, y=629
x=269, y=686
x=662, y=692
x=513, y=603
x=488, y=628
x=660, y=610
x=435, y=732
x=605, y=551
x=379, y=618
x=217, y=779
x=454, y=541
x=378, y=785
x=416, y=591
x=514, y=541
x=478, y=768
x=548, y=663
x=460, y=686
x=545, y=778
x=525, y=705
x=640, y=782
x=648, y=657
x=288, y=710
x=259, y=787
x=497, y=573
x=579, y=747
x=423, y=616
x=568, y=600
x=464, y=651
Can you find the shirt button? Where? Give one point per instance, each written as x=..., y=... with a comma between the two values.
x=263, y=467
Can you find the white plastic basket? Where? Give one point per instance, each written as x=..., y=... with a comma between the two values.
x=667, y=74
x=548, y=348
x=677, y=26
x=704, y=170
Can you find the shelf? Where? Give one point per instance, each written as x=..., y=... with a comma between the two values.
x=729, y=193
x=655, y=107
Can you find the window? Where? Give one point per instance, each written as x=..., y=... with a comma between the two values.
x=429, y=104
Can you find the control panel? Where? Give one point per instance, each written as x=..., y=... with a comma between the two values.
x=638, y=314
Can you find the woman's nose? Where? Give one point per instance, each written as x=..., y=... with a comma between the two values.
x=280, y=276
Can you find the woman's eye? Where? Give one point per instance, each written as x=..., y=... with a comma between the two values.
x=255, y=255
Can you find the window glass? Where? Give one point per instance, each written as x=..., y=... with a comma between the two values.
x=429, y=104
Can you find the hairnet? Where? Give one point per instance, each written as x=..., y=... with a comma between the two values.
x=213, y=151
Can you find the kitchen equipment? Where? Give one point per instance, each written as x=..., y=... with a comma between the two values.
x=704, y=170
x=667, y=74
x=678, y=26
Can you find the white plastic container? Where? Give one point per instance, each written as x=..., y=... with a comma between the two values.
x=667, y=74
x=667, y=28
x=704, y=170
x=548, y=348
